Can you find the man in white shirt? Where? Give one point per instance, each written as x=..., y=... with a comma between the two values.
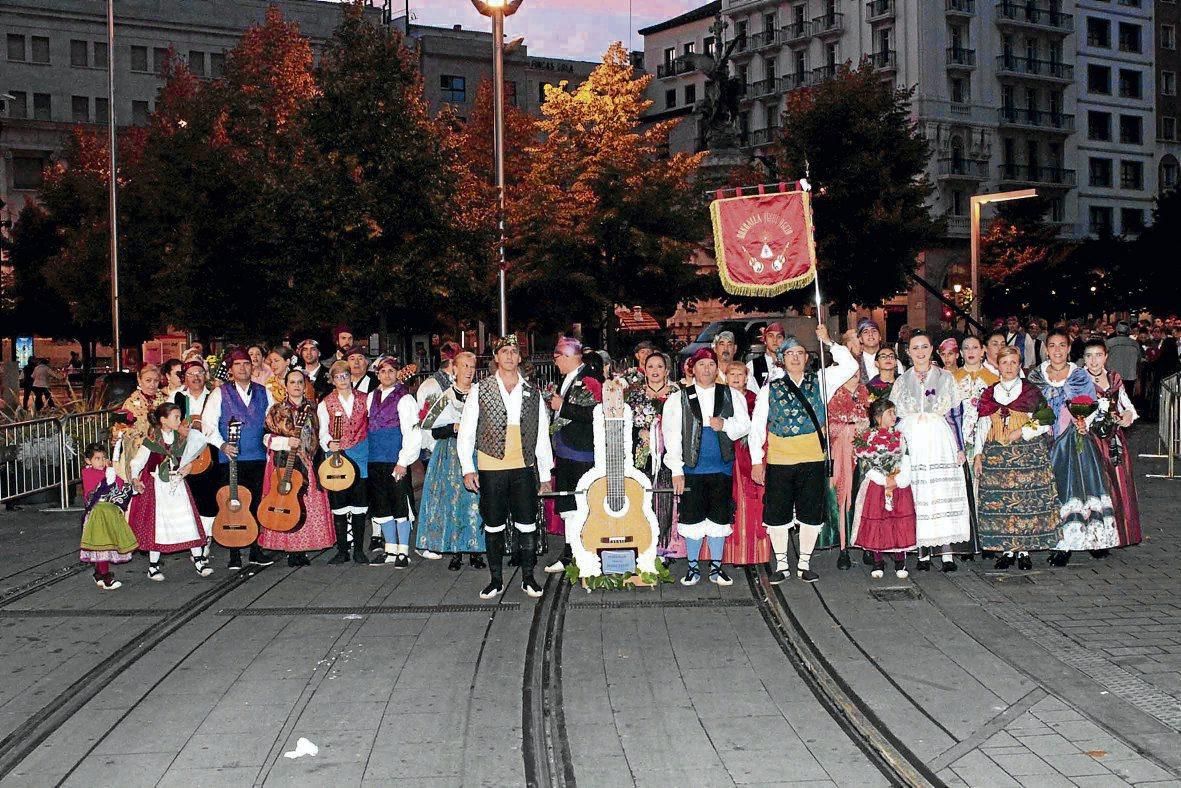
x=871, y=340
x=700, y=425
x=505, y=425
x=766, y=367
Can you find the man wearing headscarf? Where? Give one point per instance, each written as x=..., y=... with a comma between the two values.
x=505, y=429
x=871, y=340
x=573, y=406
x=316, y=374
x=725, y=347
x=766, y=367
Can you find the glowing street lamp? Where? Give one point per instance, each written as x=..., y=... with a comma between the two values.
x=498, y=10
x=976, y=201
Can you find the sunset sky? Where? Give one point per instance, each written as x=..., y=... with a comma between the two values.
x=579, y=29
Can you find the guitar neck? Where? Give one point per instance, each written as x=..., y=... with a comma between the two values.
x=616, y=456
x=234, y=477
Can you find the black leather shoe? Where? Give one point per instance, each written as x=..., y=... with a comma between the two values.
x=808, y=576
x=259, y=557
x=476, y=561
x=778, y=577
x=867, y=558
x=359, y=556
x=1059, y=558
x=948, y=566
x=530, y=587
x=456, y=562
x=492, y=589
x=1024, y=562
x=923, y=565
x=843, y=561
x=1004, y=561
x=341, y=557
x=1100, y=553
x=376, y=543
x=293, y=560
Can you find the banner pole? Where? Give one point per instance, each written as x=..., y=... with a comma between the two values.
x=828, y=465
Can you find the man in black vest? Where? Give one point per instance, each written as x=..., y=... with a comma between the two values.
x=766, y=367
x=505, y=427
x=573, y=405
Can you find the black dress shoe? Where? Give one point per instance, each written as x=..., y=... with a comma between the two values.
x=923, y=565
x=1024, y=562
x=948, y=566
x=293, y=560
x=867, y=558
x=456, y=562
x=359, y=556
x=376, y=543
x=259, y=557
x=1059, y=558
x=1100, y=553
x=778, y=577
x=476, y=561
x=1004, y=561
x=808, y=576
x=341, y=557
x=235, y=563
x=843, y=561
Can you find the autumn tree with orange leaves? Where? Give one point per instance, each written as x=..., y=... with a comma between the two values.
x=604, y=216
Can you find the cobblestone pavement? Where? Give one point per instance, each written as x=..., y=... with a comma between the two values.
x=1047, y=678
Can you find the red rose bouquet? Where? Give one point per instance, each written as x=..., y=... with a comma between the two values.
x=880, y=449
x=1081, y=407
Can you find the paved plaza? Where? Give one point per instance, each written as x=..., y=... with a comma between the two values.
x=403, y=677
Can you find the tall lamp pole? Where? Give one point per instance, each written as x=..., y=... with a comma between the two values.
x=975, y=203
x=113, y=196
x=498, y=10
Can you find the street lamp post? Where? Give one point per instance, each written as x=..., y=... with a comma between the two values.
x=113, y=194
x=976, y=202
x=498, y=10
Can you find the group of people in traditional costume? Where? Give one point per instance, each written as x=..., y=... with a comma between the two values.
x=962, y=450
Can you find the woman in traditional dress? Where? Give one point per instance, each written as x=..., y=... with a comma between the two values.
x=261, y=371
x=291, y=426
x=747, y=543
x=1017, y=500
x=647, y=404
x=140, y=405
x=880, y=384
x=1087, y=517
x=278, y=361
x=1112, y=441
x=171, y=380
x=848, y=414
x=927, y=401
x=203, y=485
x=972, y=379
x=163, y=514
x=449, y=515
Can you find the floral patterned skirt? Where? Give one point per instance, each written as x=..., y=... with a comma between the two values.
x=1017, y=497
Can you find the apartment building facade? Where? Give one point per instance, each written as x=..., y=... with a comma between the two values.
x=1167, y=62
x=676, y=88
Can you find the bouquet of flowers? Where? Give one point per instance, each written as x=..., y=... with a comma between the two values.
x=645, y=416
x=881, y=450
x=1081, y=407
x=1044, y=415
x=577, y=395
x=878, y=389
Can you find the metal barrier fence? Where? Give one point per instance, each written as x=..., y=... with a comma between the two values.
x=46, y=454
x=1168, y=427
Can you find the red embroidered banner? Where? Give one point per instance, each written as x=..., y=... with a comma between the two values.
x=763, y=243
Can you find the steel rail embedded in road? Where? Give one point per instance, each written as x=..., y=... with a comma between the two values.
x=545, y=746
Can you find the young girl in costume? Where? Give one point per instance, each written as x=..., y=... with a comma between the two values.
x=885, y=521
x=106, y=537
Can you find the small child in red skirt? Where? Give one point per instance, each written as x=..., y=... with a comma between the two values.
x=106, y=537
x=885, y=519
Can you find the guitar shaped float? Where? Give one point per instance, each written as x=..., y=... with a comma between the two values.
x=234, y=526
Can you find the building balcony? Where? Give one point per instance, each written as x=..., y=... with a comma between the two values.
x=760, y=137
x=879, y=11
x=828, y=26
x=1013, y=67
x=1046, y=177
x=1033, y=16
x=762, y=40
x=957, y=226
x=823, y=73
x=675, y=68
x=884, y=61
x=748, y=5
x=741, y=48
x=959, y=58
x=790, y=82
x=764, y=87
x=961, y=7
x=1036, y=119
x=952, y=168
x=795, y=33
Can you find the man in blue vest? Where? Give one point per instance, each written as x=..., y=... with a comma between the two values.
x=248, y=402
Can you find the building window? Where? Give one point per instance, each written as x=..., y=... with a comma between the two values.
x=140, y=113
x=16, y=48
x=80, y=109
x=40, y=49
x=102, y=110
x=670, y=57
x=541, y=86
x=159, y=58
x=27, y=171
x=453, y=88
x=1100, y=172
x=1168, y=173
x=197, y=62
x=689, y=49
x=957, y=202
x=139, y=59
x=1100, y=216
x=690, y=95
x=1168, y=127
x=42, y=107
x=1168, y=83
x=670, y=99
x=100, y=54
x=1098, y=32
x=1099, y=79
x=18, y=105
x=1057, y=210
x=740, y=33
x=1131, y=129
x=708, y=45
x=959, y=91
x=1099, y=126
x=510, y=92
x=1129, y=37
x=1131, y=175
x=79, y=53
x=1130, y=83
x=217, y=64
x=1168, y=37
x=1131, y=220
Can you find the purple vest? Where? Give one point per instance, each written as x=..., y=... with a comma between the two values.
x=385, y=426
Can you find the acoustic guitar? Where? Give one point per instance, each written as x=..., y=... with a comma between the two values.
x=338, y=473
x=204, y=460
x=234, y=526
x=281, y=509
x=617, y=517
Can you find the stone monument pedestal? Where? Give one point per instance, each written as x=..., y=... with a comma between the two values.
x=718, y=165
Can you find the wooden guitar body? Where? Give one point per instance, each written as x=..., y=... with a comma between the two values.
x=202, y=462
x=234, y=526
x=283, y=511
x=337, y=473
x=627, y=528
